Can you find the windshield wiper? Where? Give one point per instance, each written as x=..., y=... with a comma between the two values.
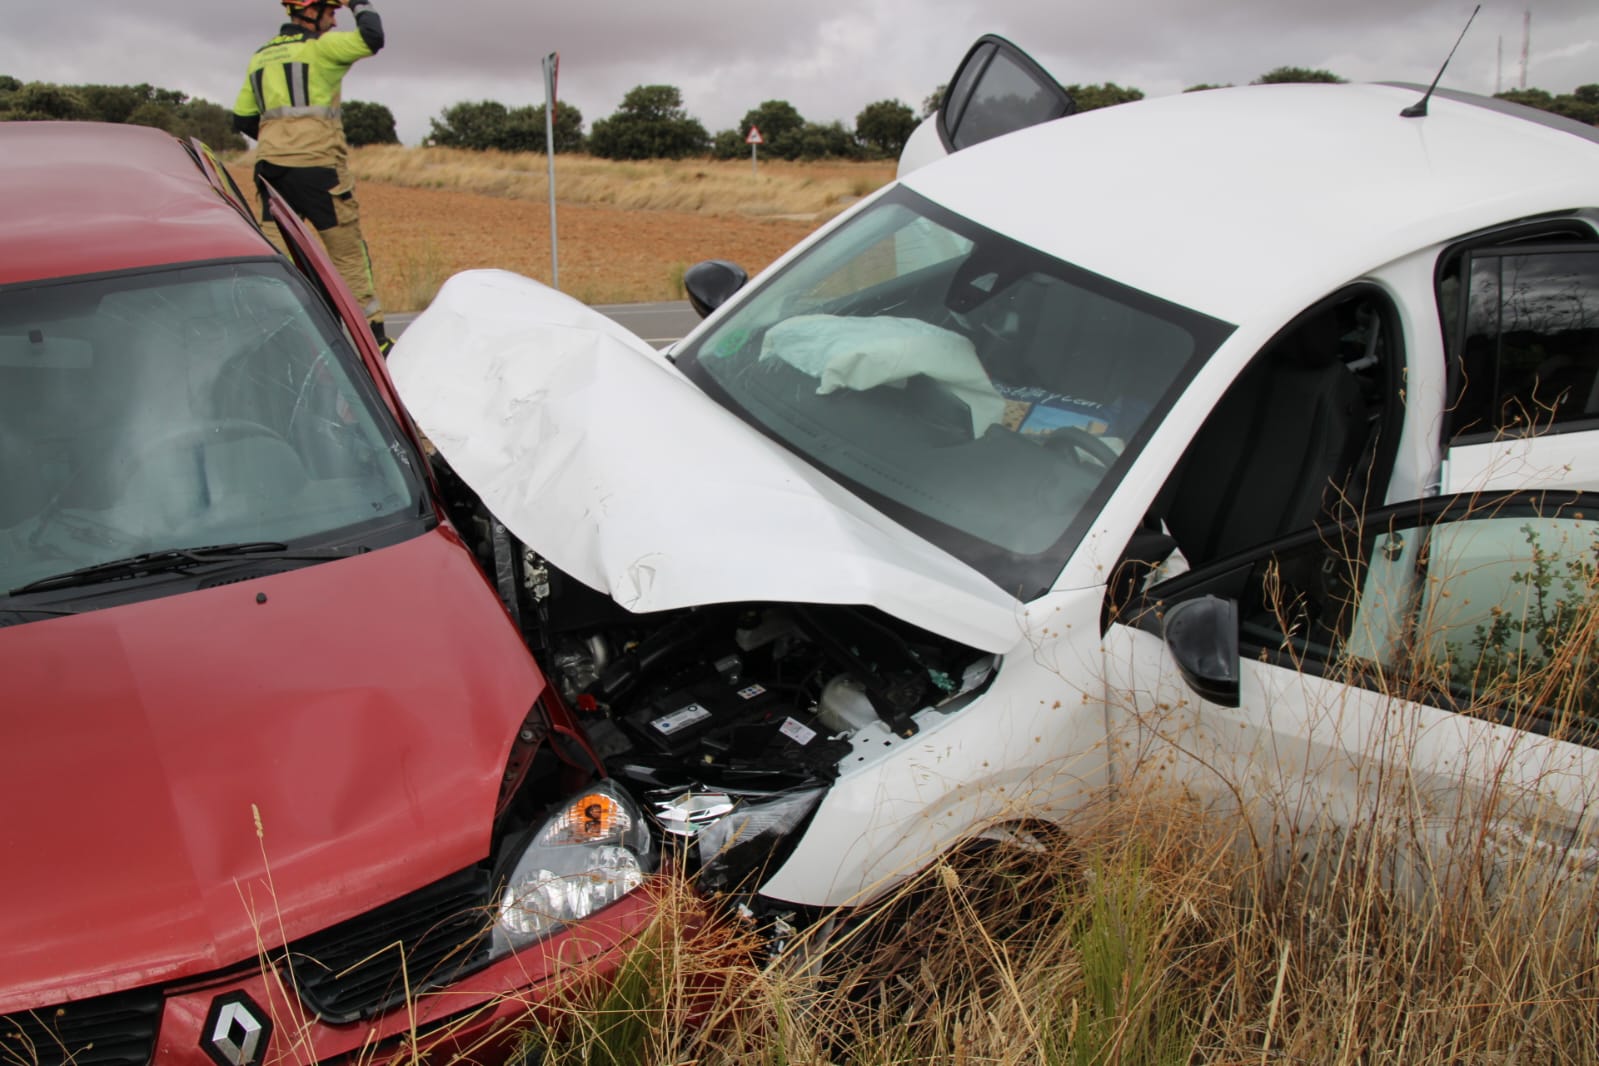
x=157, y=562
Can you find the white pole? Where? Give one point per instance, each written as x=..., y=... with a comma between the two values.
x=754, y=167
x=552, y=65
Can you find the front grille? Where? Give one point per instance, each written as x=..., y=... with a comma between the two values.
x=114, y=1030
x=363, y=967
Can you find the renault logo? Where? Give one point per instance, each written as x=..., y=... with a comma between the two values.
x=236, y=1031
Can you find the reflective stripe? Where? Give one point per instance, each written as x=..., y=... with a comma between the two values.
x=297, y=112
x=297, y=76
x=256, y=79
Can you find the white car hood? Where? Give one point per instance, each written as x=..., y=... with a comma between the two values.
x=602, y=458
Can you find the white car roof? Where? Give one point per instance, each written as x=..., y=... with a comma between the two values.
x=1233, y=201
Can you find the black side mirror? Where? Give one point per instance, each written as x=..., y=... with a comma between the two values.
x=996, y=89
x=1202, y=634
x=711, y=282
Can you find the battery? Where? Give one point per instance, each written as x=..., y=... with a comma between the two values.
x=676, y=721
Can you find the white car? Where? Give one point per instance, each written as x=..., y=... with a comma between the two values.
x=888, y=552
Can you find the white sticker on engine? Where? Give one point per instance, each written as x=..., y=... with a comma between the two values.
x=798, y=732
x=681, y=718
x=751, y=691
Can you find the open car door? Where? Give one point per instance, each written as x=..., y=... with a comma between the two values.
x=1424, y=675
x=996, y=89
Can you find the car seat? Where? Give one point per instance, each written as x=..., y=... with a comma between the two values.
x=1277, y=452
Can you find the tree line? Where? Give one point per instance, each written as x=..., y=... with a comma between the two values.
x=650, y=123
x=164, y=109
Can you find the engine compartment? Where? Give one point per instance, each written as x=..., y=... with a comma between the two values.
x=742, y=695
x=728, y=721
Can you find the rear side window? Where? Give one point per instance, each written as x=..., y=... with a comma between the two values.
x=1527, y=357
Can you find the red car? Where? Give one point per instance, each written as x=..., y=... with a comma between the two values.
x=281, y=780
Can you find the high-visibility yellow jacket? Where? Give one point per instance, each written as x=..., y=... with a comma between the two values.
x=292, y=90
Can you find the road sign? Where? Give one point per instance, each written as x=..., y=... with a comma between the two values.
x=755, y=136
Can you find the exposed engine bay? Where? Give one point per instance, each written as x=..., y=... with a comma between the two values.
x=717, y=713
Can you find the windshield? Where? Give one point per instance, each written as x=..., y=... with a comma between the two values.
x=984, y=394
x=205, y=405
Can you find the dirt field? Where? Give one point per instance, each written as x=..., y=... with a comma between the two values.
x=627, y=230
x=419, y=237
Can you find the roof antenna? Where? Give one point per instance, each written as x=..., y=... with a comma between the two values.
x=1419, y=108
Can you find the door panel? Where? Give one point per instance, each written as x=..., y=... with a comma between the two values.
x=1392, y=689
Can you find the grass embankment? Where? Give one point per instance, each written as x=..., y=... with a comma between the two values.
x=1150, y=933
x=627, y=231
x=808, y=192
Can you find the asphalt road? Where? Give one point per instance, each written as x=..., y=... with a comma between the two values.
x=658, y=323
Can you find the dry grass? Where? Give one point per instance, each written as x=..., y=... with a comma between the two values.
x=1148, y=932
x=811, y=191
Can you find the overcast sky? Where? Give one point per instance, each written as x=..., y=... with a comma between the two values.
x=829, y=58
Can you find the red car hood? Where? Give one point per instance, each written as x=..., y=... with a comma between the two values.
x=190, y=778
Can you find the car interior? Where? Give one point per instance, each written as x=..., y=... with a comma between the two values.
x=1298, y=437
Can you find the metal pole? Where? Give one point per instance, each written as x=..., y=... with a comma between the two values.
x=754, y=167
x=552, y=65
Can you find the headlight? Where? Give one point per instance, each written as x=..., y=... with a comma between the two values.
x=591, y=853
x=747, y=840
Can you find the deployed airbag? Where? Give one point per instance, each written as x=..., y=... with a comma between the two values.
x=850, y=352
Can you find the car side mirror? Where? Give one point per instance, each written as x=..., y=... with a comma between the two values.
x=711, y=282
x=1202, y=634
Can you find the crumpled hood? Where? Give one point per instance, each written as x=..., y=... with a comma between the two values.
x=185, y=774
x=601, y=457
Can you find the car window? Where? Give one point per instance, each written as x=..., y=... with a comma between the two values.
x=1527, y=358
x=1306, y=431
x=1493, y=611
x=180, y=408
x=996, y=89
x=981, y=392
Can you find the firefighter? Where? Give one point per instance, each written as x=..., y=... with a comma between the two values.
x=290, y=105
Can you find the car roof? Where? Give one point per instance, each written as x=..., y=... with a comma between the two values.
x=1258, y=199
x=88, y=197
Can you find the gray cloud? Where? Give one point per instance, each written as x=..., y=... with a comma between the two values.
x=827, y=57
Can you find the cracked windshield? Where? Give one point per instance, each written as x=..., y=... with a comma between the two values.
x=182, y=409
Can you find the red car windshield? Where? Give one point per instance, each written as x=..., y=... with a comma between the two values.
x=184, y=407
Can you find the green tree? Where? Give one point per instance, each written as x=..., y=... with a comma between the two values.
x=41, y=100
x=568, y=127
x=650, y=124
x=8, y=84
x=156, y=116
x=211, y=123
x=469, y=124
x=1283, y=75
x=818, y=140
x=366, y=123
x=729, y=144
x=1202, y=86
x=932, y=100
x=1094, y=97
x=117, y=103
x=885, y=126
x=1582, y=103
x=779, y=124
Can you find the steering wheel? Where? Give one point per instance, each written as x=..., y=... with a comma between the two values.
x=1080, y=440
